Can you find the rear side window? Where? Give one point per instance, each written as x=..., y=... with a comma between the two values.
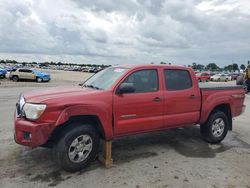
x=144, y=80
x=25, y=70
x=177, y=79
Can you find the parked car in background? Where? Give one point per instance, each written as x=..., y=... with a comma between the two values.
x=220, y=77
x=29, y=74
x=228, y=76
x=234, y=76
x=203, y=77
x=3, y=73
x=93, y=70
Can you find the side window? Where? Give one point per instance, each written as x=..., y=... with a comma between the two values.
x=25, y=70
x=177, y=79
x=21, y=70
x=144, y=81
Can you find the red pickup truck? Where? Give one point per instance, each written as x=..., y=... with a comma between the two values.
x=120, y=101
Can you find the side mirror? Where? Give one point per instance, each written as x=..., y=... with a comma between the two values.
x=126, y=88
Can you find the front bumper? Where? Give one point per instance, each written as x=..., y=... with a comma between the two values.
x=30, y=133
x=46, y=79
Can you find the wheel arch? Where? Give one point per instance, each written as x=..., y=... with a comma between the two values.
x=226, y=108
x=84, y=119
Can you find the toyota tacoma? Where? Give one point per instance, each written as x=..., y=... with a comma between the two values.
x=121, y=101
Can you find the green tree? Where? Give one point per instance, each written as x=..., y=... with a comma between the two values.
x=194, y=66
x=212, y=67
x=229, y=68
x=200, y=67
x=242, y=67
x=235, y=67
x=2, y=62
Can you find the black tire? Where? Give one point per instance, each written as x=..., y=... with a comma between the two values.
x=38, y=79
x=15, y=78
x=207, y=130
x=63, y=146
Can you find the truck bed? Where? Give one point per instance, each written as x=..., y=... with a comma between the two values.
x=214, y=93
x=219, y=86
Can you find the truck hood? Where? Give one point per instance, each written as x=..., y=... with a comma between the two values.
x=59, y=94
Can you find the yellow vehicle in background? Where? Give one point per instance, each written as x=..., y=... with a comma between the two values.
x=244, y=79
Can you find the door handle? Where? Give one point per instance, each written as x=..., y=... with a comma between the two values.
x=193, y=96
x=157, y=99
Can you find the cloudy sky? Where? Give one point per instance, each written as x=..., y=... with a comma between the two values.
x=126, y=31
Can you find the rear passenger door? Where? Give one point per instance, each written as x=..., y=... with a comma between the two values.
x=181, y=98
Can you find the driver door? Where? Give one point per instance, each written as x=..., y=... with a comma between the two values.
x=142, y=110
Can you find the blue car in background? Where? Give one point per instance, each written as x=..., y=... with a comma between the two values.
x=29, y=74
x=3, y=72
x=45, y=77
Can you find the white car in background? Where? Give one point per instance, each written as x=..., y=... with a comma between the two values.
x=220, y=77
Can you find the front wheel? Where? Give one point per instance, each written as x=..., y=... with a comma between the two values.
x=38, y=79
x=216, y=128
x=77, y=147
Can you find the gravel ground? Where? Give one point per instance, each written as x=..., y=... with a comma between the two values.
x=173, y=158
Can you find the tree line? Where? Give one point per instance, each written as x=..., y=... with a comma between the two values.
x=214, y=67
x=51, y=63
x=196, y=66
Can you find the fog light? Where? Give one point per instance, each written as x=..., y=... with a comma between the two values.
x=27, y=136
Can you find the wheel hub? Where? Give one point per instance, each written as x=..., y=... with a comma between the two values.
x=218, y=127
x=80, y=148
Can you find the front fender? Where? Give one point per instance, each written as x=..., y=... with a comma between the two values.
x=104, y=115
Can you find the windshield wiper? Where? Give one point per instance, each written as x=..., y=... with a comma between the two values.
x=91, y=86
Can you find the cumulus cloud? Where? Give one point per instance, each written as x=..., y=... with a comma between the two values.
x=122, y=31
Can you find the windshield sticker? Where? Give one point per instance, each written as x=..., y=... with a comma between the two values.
x=118, y=70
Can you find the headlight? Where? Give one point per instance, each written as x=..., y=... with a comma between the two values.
x=33, y=111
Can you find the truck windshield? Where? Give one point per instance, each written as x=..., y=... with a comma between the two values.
x=105, y=79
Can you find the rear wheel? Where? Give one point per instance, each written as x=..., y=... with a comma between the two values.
x=15, y=78
x=77, y=147
x=216, y=128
